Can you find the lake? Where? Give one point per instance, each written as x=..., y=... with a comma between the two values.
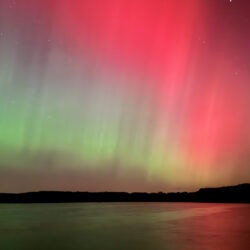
x=125, y=226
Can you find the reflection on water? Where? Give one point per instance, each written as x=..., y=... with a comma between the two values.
x=125, y=226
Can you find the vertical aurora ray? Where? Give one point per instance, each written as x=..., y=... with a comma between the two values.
x=124, y=95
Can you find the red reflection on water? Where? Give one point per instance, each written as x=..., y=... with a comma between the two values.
x=220, y=226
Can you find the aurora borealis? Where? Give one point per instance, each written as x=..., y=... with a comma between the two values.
x=124, y=95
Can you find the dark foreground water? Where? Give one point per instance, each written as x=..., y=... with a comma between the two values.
x=125, y=226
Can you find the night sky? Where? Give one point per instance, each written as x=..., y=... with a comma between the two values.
x=124, y=95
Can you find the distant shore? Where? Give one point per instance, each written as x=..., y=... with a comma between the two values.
x=231, y=194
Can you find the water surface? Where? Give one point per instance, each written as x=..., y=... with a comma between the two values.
x=125, y=226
